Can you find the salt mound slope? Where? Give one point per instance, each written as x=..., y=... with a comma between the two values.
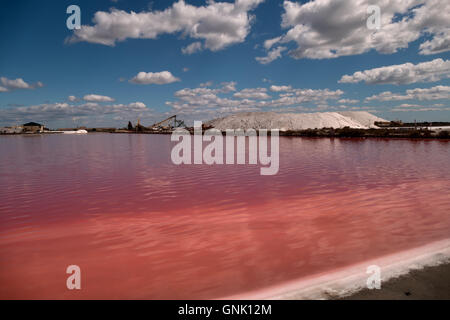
x=364, y=118
x=295, y=121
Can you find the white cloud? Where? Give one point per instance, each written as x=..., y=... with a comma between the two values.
x=137, y=105
x=271, y=55
x=408, y=105
x=418, y=108
x=434, y=93
x=93, y=111
x=208, y=102
x=256, y=93
x=325, y=29
x=305, y=94
x=97, y=98
x=8, y=85
x=164, y=77
x=206, y=84
x=270, y=42
x=218, y=24
x=406, y=73
x=348, y=101
x=228, y=87
x=275, y=88
x=192, y=48
x=72, y=98
x=440, y=43
x=319, y=95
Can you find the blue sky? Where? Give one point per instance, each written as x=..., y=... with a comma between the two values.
x=43, y=63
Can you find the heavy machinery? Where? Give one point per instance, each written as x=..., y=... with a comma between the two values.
x=168, y=124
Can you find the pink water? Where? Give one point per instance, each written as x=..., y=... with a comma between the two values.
x=140, y=227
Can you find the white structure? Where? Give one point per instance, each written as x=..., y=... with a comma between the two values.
x=15, y=129
x=80, y=131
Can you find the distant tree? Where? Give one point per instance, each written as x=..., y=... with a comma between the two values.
x=130, y=125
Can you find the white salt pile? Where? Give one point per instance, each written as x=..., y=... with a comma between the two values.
x=296, y=121
x=365, y=118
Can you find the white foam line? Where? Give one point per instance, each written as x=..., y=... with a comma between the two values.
x=353, y=278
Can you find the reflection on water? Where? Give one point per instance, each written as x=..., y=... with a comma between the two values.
x=140, y=227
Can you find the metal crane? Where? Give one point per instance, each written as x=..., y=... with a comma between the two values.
x=167, y=123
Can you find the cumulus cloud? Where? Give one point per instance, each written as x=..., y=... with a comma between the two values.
x=50, y=112
x=270, y=42
x=440, y=43
x=7, y=85
x=206, y=102
x=164, y=77
x=256, y=93
x=406, y=73
x=228, y=87
x=433, y=93
x=307, y=95
x=206, y=84
x=97, y=98
x=408, y=105
x=417, y=107
x=271, y=55
x=324, y=29
x=348, y=101
x=275, y=88
x=192, y=48
x=217, y=24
